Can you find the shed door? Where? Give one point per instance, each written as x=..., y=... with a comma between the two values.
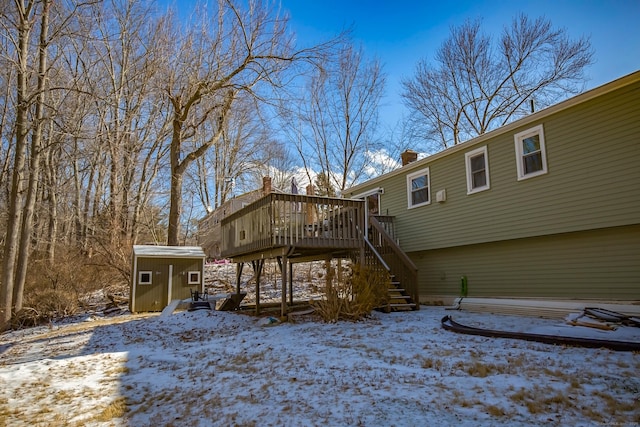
x=153, y=296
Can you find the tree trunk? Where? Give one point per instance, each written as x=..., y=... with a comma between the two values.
x=34, y=177
x=175, y=199
x=52, y=200
x=14, y=214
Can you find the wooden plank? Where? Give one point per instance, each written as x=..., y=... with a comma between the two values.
x=170, y=308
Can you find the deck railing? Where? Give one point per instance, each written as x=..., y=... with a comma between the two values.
x=278, y=220
x=386, y=221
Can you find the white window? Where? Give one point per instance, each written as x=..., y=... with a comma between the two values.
x=531, y=158
x=145, y=277
x=477, y=170
x=418, y=188
x=193, y=277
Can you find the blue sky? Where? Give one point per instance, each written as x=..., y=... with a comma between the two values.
x=400, y=33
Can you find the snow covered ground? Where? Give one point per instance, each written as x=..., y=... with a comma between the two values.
x=210, y=368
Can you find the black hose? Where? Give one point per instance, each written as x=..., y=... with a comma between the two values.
x=448, y=323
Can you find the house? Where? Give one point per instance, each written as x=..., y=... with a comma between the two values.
x=542, y=213
x=161, y=274
x=209, y=231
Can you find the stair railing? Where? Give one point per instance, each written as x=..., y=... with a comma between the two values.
x=394, y=258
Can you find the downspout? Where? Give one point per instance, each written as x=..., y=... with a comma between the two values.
x=202, y=276
x=169, y=283
x=134, y=277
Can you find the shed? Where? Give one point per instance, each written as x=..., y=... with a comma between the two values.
x=161, y=274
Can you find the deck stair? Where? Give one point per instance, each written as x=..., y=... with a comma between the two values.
x=383, y=253
x=399, y=299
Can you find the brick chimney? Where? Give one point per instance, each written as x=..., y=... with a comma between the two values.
x=266, y=185
x=408, y=156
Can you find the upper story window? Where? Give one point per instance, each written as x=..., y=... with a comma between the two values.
x=418, y=186
x=477, y=170
x=531, y=157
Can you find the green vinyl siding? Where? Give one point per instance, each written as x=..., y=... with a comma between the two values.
x=593, y=153
x=601, y=264
x=570, y=233
x=154, y=297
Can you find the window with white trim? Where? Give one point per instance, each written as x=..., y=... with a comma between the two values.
x=418, y=188
x=477, y=163
x=145, y=277
x=531, y=158
x=193, y=277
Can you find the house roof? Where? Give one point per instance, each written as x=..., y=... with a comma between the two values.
x=578, y=99
x=249, y=195
x=153, y=251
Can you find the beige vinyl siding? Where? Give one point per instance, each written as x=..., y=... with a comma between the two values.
x=601, y=264
x=593, y=153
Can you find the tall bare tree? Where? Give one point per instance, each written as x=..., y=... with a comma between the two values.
x=337, y=122
x=126, y=64
x=6, y=134
x=244, y=144
x=27, y=18
x=241, y=49
x=477, y=83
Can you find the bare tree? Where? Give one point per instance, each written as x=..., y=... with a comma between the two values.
x=237, y=51
x=6, y=135
x=125, y=62
x=242, y=146
x=278, y=163
x=27, y=18
x=477, y=84
x=338, y=119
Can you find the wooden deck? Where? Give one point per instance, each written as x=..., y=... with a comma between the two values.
x=293, y=225
x=297, y=228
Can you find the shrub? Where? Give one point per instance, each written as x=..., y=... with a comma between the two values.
x=62, y=288
x=362, y=290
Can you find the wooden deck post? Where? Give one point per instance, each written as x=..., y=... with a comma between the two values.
x=257, y=269
x=239, y=267
x=291, y=283
x=329, y=275
x=283, y=270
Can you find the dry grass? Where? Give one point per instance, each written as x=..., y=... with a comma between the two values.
x=539, y=400
x=116, y=409
x=496, y=411
x=431, y=363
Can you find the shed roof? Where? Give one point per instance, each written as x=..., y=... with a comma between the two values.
x=168, y=251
